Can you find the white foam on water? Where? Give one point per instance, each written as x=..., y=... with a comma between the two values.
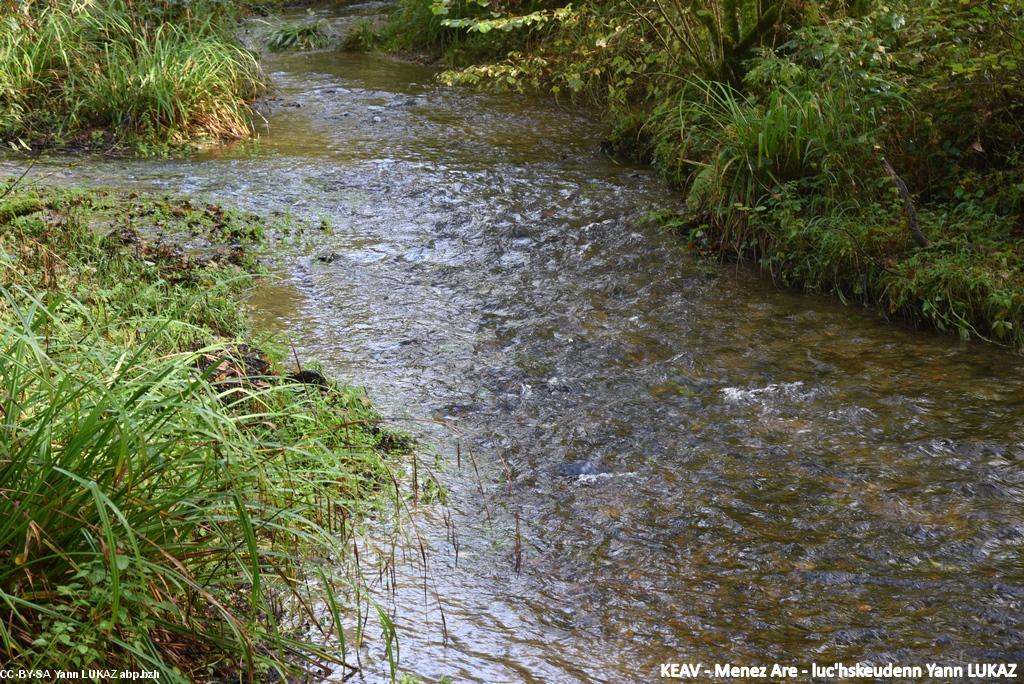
x=589, y=479
x=776, y=390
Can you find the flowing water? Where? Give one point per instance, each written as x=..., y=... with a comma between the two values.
x=700, y=467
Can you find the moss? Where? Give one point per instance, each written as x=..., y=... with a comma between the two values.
x=20, y=205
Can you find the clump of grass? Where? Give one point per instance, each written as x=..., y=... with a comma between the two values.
x=735, y=153
x=297, y=37
x=363, y=36
x=160, y=485
x=66, y=69
x=752, y=146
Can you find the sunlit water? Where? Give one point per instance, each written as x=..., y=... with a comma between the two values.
x=703, y=468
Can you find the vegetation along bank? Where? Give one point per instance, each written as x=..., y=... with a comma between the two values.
x=162, y=477
x=124, y=73
x=869, y=149
x=172, y=497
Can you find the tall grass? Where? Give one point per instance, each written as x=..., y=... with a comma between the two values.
x=155, y=513
x=754, y=145
x=65, y=68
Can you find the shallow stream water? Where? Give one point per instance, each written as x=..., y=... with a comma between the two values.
x=701, y=468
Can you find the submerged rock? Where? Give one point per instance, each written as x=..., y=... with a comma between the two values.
x=327, y=257
x=310, y=377
x=578, y=468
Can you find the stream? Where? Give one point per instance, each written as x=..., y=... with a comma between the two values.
x=648, y=460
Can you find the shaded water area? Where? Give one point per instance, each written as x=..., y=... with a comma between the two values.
x=703, y=469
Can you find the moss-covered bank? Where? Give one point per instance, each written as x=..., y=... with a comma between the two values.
x=169, y=489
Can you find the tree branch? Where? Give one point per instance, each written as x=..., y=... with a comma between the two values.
x=908, y=205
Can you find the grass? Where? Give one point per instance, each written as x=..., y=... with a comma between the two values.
x=754, y=145
x=165, y=490
x=69, y=71
x=297, y=37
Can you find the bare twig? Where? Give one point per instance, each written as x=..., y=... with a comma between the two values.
x=908, y=205
x=295, y=354
x=518, y=546
x=10, y=188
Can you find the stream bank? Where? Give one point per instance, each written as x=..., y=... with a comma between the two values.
x=170, y=490
x=870, y=151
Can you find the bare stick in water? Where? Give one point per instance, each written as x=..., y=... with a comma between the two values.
x=519, y=546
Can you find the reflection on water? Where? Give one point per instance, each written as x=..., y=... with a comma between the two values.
x=703, y=468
